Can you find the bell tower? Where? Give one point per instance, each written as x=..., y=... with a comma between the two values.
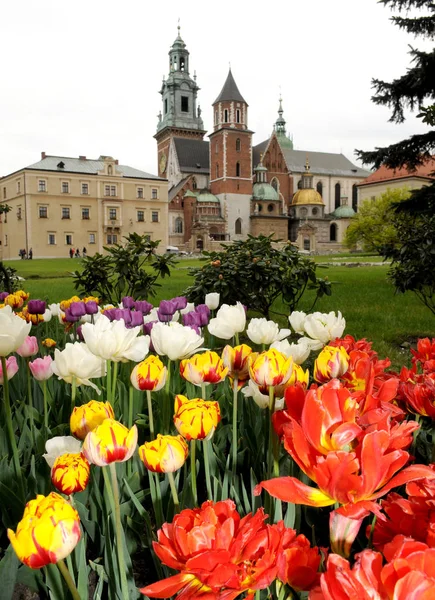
x=180, y=115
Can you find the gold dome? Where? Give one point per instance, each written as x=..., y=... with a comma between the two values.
x=307, y=196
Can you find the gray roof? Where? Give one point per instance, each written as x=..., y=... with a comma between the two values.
x=230, y=91
x=321, y=163
x=176, y=188
x=85, y=166
x=193, y=155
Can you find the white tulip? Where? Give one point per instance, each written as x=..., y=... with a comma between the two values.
x=252, y=391
x=190, y=306
x=229, y=320
x=61, y=444
x=47, y=315
x=262, y=331
x=324, y=327
x=312, y=344
x=151, y=316
x=13, y=331
x=77, y=361
x=299, y=352
x=55, y=309
x=114, y=341
x=175, y=341
x=297, y=321
x=212, y=300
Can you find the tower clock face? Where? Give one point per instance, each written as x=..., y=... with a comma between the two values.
x=163, y=161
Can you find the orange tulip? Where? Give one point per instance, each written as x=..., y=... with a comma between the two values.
x=149, y=375
x=49, y=343
x=332, y=362
x=270, y=369
x=203, y=368
x=87, y=417
x=70, y=473
x=196, y=419
x=110, y=442
x=165, y=454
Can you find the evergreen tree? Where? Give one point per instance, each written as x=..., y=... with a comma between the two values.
x=414, y=90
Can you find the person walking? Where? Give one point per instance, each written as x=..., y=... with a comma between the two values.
x=71, y=252
x=84, y=252
x=30, y=253
x=77, y=253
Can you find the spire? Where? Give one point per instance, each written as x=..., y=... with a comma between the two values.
x=280, y=127
x=307, y=177
x=230, y=91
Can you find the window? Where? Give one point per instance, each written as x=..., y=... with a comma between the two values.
x=4, y=192
x=140, y=192
x=110, y=170
x=300, y=184
x=238, y=145
x=141, y=215
x=217, y=171
x=112, y=238
x=165, y=106
x=18, y=187
x=184, y=104
x=92, y=238
x=51, y=239
x=319, y=187
x=337, y=195
x=194, y=184
x=314, y=211
x=238, y=169
x=155, y=216
x=216, y=148
x=43, y=212
x=68, y=239
x=154, y=193
x=238, y=226
x=6, y=240
x=107, y=190
x=66, y=212
x=237, y=116
x=355, y=197
x=86, y=214
x=226, y=115
x=112, y=214
x=85, y=189
x=42, y=185
x=19, y=213
x=270, y=207
x=306, y=243
x=216, y=117
x=178, y=225
x=65, y=187
x=274, y=183
x=113, y=190
x=333, y=232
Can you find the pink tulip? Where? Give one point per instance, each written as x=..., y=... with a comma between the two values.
x=41, y=368
x=11, y=368
x=29, y=347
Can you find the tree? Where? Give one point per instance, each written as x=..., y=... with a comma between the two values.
x=373, y=226
x=414, y=90
x=256, y=273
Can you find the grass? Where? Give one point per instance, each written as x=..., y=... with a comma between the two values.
x=362, y=294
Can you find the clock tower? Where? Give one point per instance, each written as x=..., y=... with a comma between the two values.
x=180, y=115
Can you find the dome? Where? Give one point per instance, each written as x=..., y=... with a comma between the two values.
x=343, y=212
x=307, y=196
x=207, y=197
x=264, y=191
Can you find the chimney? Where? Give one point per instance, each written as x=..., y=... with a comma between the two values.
x=116, y=162
x=82, y=157
x=43, y=155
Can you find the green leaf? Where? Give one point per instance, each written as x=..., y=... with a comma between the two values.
x=8, y=573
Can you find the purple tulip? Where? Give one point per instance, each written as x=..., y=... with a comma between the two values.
x=80, y=334
x=180, y=301
x=69, y=317
x=3, y=295
x=204, y=314
x=128, y=302
x=167, y=307
x=91, y=307
x=110, y=313
x=144, y=307
x=195, y=328
x=136, y=318
x=77, y=309
x=191, y=319
x=36, y=307
x=163, y=317
x=148, y=326
x=123, y=313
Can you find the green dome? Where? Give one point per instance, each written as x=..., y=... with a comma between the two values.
x=343, y=212
x=189, y=194
x=207, y=197
x=264, y=191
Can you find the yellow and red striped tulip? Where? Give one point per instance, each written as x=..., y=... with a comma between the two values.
x=271, y=368
x=298, y=376
x=48, y=343
x=203, y=368
x=14, y=300
x=35, y=319
x=110, y=442
x=331, y=363
x=149, y=375
x=196, y=419
x=165, y=454
x=70, y=473
x=48, y=532
x=87, y=417
x=237, y=361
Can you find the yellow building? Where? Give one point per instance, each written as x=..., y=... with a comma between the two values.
x=59, y=204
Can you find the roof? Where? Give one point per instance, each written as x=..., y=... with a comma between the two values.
x=426, y=170
x=307, y=196
x=193, y=155
x=264, y=191
x=85, y=166
x=230, y=91
x=176, y=188
x=343, y=212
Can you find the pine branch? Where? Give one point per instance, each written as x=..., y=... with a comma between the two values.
x=411, y=152
x=424, y=26
x=403, y=5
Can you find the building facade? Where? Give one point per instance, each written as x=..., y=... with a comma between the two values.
x=59, y=204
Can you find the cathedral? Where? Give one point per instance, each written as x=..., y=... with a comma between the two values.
x=225, y=188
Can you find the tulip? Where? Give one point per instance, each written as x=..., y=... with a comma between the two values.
x=190, y=307
x=128, y=302
x=299, y=352
x=58, y=445
x=113, y=341
x=29, y=347
x=41, y=368
x=166, y=454
x=261, y=400
x=14, y=301
x=212, y=300
x=147, y=328
x=136, y=319
x=77, y=362
x=331, y=363
x=77, y=309
x=324, y=327
x=298, y=563
x=70, y=317
x=70, y=473
x=54, y=309
x=47, y=316
x=49, y=343
x=3, y=295
x=271, y=368
x=196, y=419
x=34, y=319
x=67, y=303
x=180, y=302
x=175, y=341
x=264, y=332
x=149, y=375
x=91, y=307
x=237, y=361
x=192, y=319
x=203, y=313
x=298, y=376
x=36, y=307
x=229, y=321
x=168, y=308
x=13, y=331
x=297, y=321
x=87, y=417
x=48, y=532
x=143, y=306
x=203, y=369
x=110, y=442
x=11, y=369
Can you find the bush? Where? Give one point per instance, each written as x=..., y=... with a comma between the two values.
x=256, y=273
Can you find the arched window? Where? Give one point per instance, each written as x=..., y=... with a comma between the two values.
x=333, y=232
x=238, y=169
x=238, y=145
x=238, y=226
x=178, y=226
x=337, y=195
x=275, y=184
x=355, y=197
x=109, y=170
x=217, y=171
x=226, y=115
x=216, y=117
x=319, y=187
x=306, y=243
x=194, y=184
x=300, y=184
x=237, y=116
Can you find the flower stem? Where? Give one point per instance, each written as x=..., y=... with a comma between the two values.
x=119, y=533
x=109, y=381
x=10, y=428
x=29, y=395
x=68, y=579
x=167, y=404
x=44, y=389
x=73, y=392
x=204, y=391
x=205, y=445
x=235, y=388
x=150, y=414
x=173, y=491
x=273, y=445
x=193, y=470
x=114, y=380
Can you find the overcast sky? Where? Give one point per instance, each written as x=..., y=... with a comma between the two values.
x=83, y=77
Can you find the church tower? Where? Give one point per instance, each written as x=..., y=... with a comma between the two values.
x=180, y=116
x=231, y=158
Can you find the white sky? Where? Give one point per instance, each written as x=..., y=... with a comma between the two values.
x=83, y=77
